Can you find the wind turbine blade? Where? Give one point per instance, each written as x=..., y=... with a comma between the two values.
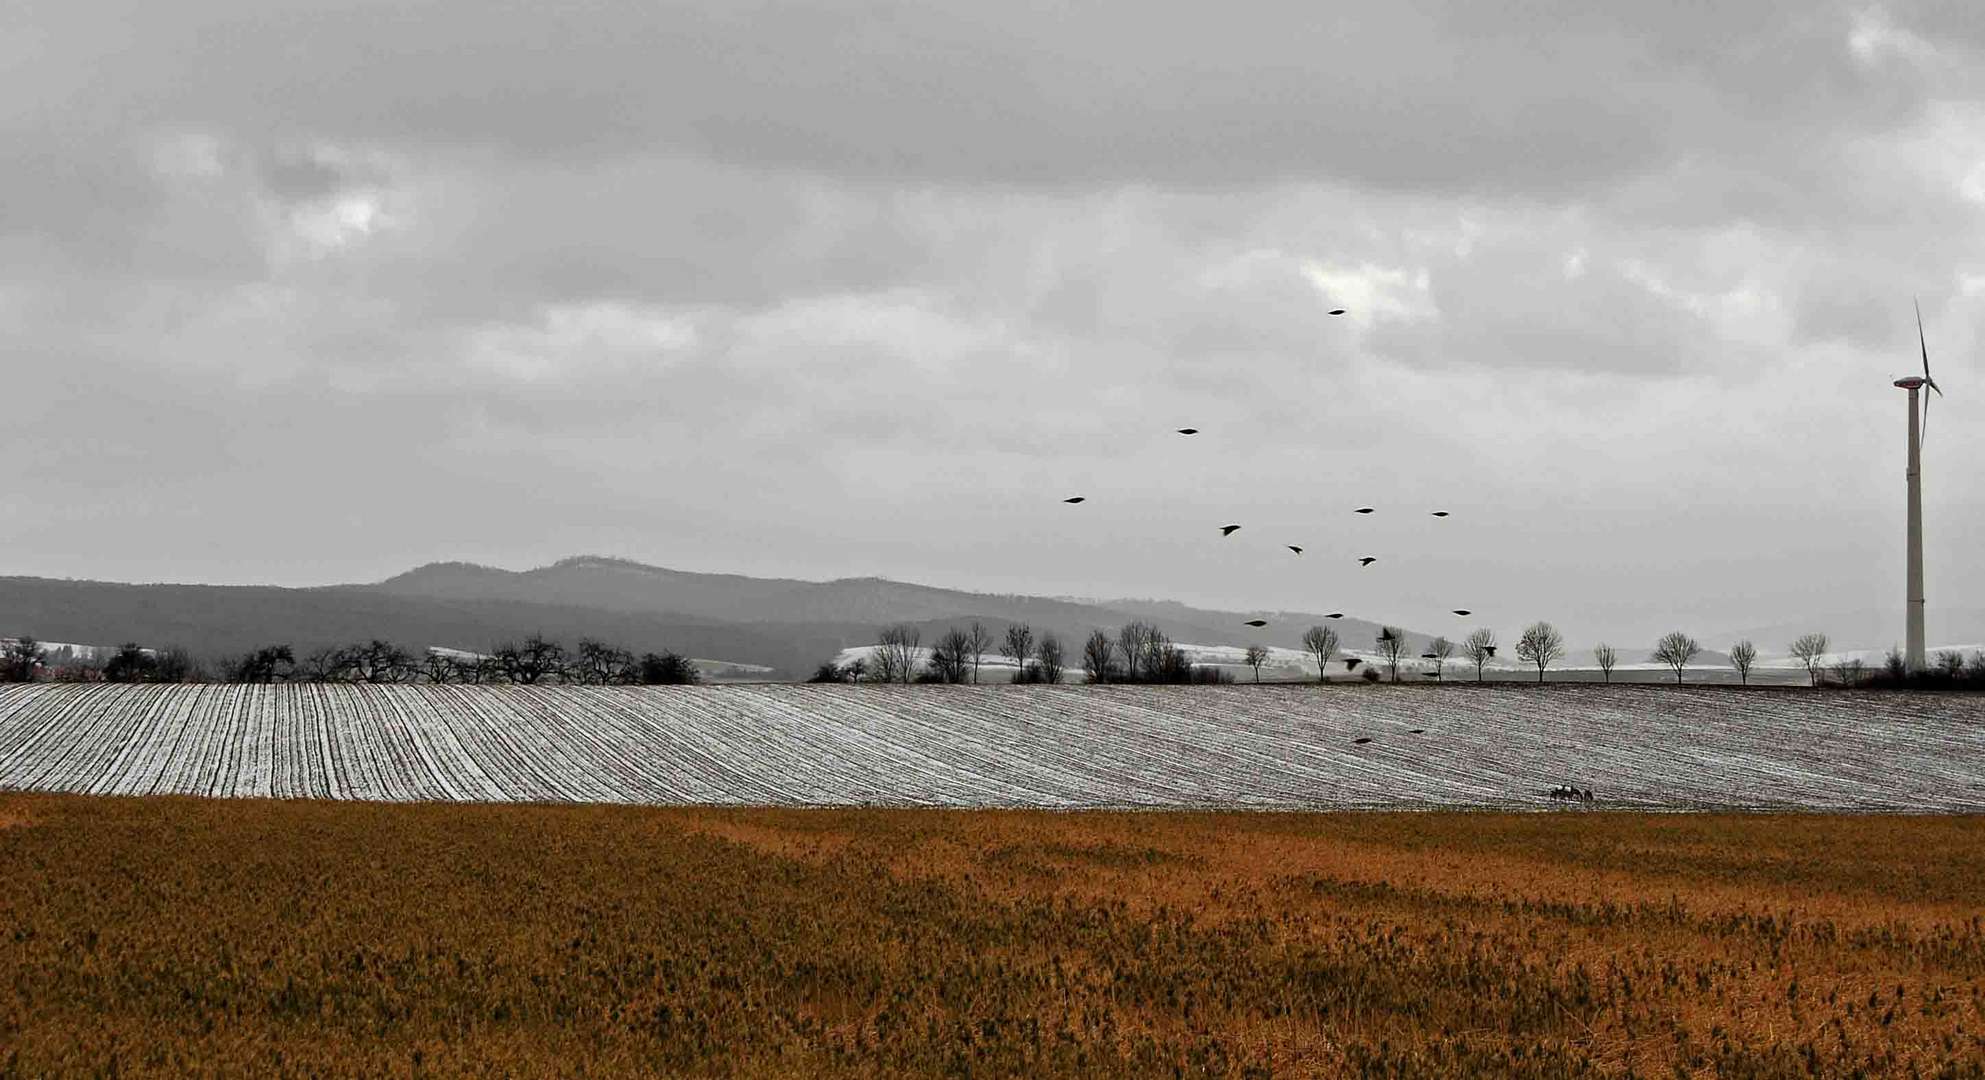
x=1923, y=344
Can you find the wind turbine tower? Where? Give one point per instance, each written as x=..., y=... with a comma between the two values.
x=1918, y=423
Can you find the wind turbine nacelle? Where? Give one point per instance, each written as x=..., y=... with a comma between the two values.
x=1911, y=383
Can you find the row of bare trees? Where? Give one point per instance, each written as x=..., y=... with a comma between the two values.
x=534, y=661
x=1137, y=652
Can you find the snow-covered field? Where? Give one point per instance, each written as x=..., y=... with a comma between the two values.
x=1274, y=746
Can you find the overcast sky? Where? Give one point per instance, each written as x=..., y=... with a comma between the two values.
x=301, y=291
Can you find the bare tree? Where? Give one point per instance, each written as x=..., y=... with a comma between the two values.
x=1541, y=644
x=978, y=639
x=21, y=659
x=1256, y=656
x=533, y=662
x=855, y=669
x=1050, y=656
x=1606, y=658
x=264, y=665
x=1321, y=641
x=951, y=657
x=1479, y=648
x=439, y=667
x=1849, y=672
x=897, y=652
x=1743, y=655
x=129, y=664
x=1676, y=649
x=1017, y=647
x=667, y=668
x=1136, y=641
x=1391, y=643
x=1809, y=648
x=1439, y=651
x=1098, y=656
x=596, y=663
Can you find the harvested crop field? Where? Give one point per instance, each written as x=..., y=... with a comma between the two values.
x=171, y=937
x=1640, y=747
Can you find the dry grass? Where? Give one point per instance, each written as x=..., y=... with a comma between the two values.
x=175, y=937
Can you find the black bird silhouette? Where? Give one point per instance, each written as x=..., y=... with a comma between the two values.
x=1463, y=611
x=1335, y=615
x=1077, y=499
x=1228, y=530
x=1419, y=731
x=1351, y=663
x=1440, y=513
x=1337, y=311
x=1361, y=742
x=1188, y=431
x=1294, y=548
x=1490, y=649
x=1256, y=622
x=1368, y=560
x=1363, y=510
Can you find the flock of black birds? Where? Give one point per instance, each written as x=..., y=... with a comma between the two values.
x=1231, y=529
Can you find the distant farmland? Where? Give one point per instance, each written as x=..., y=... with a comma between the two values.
x=1245, y=747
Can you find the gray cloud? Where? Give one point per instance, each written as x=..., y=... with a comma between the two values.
x=299, y=291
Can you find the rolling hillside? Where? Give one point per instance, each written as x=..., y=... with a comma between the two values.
x=1637, y=747
x=786, y=624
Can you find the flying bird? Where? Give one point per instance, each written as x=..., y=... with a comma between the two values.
x=1337, y=311
x=1440, y=513
x=1490, y=649
x=1256, y=622
x=1077, y=499
x=1463, y=611
x=1228, y=530
x=1351, y=663
x=1294, y=548
x=1361, y=742
x=1188, y=431
x=1368, y=560
x=1419, y=731
x=1363, y=510
x=1335, y=615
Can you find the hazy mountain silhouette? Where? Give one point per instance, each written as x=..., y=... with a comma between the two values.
x=622, y=585
x=789, y=625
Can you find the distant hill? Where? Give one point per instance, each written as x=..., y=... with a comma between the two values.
x=786, y=624
x=622, y=585
x=218, y=621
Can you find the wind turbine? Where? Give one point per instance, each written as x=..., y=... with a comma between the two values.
x=1919, y=423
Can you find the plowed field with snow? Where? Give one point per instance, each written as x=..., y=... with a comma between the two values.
x=1641, y=747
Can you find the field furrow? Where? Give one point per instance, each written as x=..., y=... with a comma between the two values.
x=1269, y=747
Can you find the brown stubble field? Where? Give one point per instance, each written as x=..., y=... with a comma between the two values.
x=190, y=937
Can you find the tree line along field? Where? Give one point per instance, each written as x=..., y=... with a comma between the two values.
x=1638, y=747
x=171, y=937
